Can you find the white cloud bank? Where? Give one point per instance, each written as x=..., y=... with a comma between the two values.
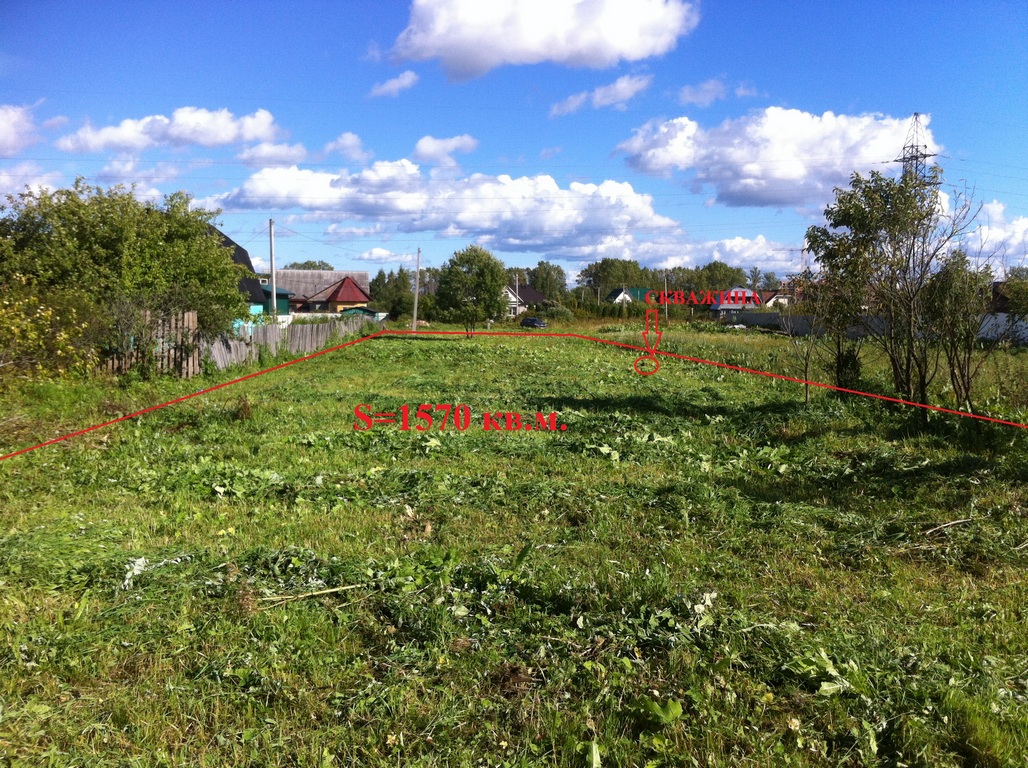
x=384, y=256
x=17, y=129
x=509, y=214
x=776, y=157
x=429, y=149
x=268, y=153
x=471, y=37
x=393, y=87
x=616, y=95
x=350, y=146
x=704, y=94
x=187, y=125
x=15, y=179
x=1004, y=240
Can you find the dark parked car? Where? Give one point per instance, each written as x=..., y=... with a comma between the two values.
x=533, y=322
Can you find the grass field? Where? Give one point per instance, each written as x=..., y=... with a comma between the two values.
x=701, y=570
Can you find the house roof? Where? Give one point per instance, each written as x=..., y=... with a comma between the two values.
x=346, y=290
x=738, y=298
x=636, y=294
x=526, y=294
x=249, y=285
x=278, y=291
x=306, y=283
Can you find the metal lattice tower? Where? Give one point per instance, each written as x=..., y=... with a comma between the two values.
x=915, y=152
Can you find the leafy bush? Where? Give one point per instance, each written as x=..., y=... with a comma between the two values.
x=37, y=339
x=557, y=312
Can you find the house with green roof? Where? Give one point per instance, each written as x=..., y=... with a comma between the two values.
x=627, y=295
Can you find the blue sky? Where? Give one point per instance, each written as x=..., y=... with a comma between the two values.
x=667, y=131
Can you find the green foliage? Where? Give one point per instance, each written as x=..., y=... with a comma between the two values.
x=885, y=240
x=393, y=293
x=559, y=313
x=127, y=263
x=40, y=339
x=470, y=287
x=310, y=264
x=549, y=279
x=962, y=297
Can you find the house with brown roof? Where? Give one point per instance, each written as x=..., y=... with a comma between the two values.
x=345, y=294
x=519, y=297
x=324, y=290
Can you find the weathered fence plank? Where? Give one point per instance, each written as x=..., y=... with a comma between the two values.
x=173, y=346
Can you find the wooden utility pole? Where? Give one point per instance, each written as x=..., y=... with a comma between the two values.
x=274, y=285
x=417, y=289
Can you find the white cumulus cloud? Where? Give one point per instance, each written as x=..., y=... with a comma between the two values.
x=350, y=146
x=470, y=37
x=16, y=178
x=393, y=87
x=17, y=129
x=704, y=94
x=774, y=157
x=384, y=256
x=616, y=95
x=509, y=214
x=429, y=149
x=1000, y=238
x=269, y=153
x=187, y=125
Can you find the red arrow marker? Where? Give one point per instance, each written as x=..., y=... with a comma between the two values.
x=652, y=321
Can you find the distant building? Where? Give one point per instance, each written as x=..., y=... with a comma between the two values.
x=735, y=299
x=519, y=297
x=323, y=290
x=627, y=295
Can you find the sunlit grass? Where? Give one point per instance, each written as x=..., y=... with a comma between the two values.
x=700, y=571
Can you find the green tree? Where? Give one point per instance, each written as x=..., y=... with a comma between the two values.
x=470, y=287
x=769, y=282
x=122, y=264
x=962, y=298
x=378, y=288
x=319, y=264
x=754, y=278
x=517, y=274
x=718, y=276
x=608, y=274
x=393, y=293
x=549, y=279
x=884, y=240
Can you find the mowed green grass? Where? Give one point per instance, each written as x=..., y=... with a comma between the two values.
x=700, y=570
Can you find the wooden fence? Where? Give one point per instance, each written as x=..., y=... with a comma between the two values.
x=298, y=339
x=176, y=348
x=169, y=345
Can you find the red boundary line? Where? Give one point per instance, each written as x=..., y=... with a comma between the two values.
x=647, y=353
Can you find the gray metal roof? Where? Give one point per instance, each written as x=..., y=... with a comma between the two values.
x=308, y=282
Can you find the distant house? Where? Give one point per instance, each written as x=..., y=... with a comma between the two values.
x=776, y=299
x=519, y=297
x=249, y=285
x=367, y=314
x=1000, y=300
x=345, y=294
x=282, y=305
x=324, y=290
x=735, y=299
x=627, y=295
